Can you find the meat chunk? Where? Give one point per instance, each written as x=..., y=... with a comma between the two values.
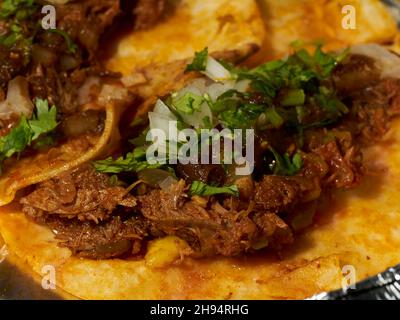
x=372, y=109
x=109, y=239
x=85, y=21
x=355, y=73
x=276, y=194
x=341, y=155
x=212, y=229
x=83, y=193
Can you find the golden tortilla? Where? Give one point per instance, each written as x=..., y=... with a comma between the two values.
x=360, y=228
x=217, y=24
x=50, y=163
x=314, y=20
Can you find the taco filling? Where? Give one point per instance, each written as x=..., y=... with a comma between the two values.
x=311, y=115
x=52, y=84
x=59, y=106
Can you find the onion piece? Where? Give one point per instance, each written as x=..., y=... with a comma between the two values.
x=216, y=71
x=198, y=87
x=112, y=93
x=387, y=61
x=162, y=122
x=18, y=101
x=85, y=92
x=242, y=85
x=162, y=108
x=217, y=89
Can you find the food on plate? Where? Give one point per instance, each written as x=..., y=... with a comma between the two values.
x=92, y=180
x=310, y=113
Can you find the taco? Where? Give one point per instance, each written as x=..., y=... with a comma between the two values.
x=119, y=225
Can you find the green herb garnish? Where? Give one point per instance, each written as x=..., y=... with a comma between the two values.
x=133, y=162
x=201, y=189
x=71, y=46
x=27, y=131
x=199, y=62
x=188, y=103
x=285, y=166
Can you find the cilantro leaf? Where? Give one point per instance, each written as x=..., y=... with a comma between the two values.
x=17, y=140
x=329, y=103
x=133, y=162
x=293, y=97
x=188, y=103
x=27, y=131
x=71, y=46
x=273, y=117
x=285, y=166
x=11, y=7
x=201, y=189
x=45, y=120
x=242, y=116
x=199, y=62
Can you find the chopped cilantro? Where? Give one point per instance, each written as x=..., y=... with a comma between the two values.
x=273, y=117
x=207, y=122
x=330, y=103
x=286, y=166
x=27, y=131
x=241, y=117
x=133, y=162
x=199, y=62
x=71, y=46
x=45, y=120
x=293, y=97
x=12, y=7
x=201, y=189
x=188, y=103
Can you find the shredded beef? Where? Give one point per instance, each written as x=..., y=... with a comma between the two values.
x=109, y=239
x=222, y=225
x=85, y=21
x=212, y=229
x=83, y=194
x=373, y=107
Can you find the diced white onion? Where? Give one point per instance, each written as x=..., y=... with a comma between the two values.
x=18, y=101
x=112, y=93
x=84, y=93
x=217, y=89
x=198, y=87
x=162, y=122
x=387, y=61
x=216, y=71
x=242, y=85
x=162, y=108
